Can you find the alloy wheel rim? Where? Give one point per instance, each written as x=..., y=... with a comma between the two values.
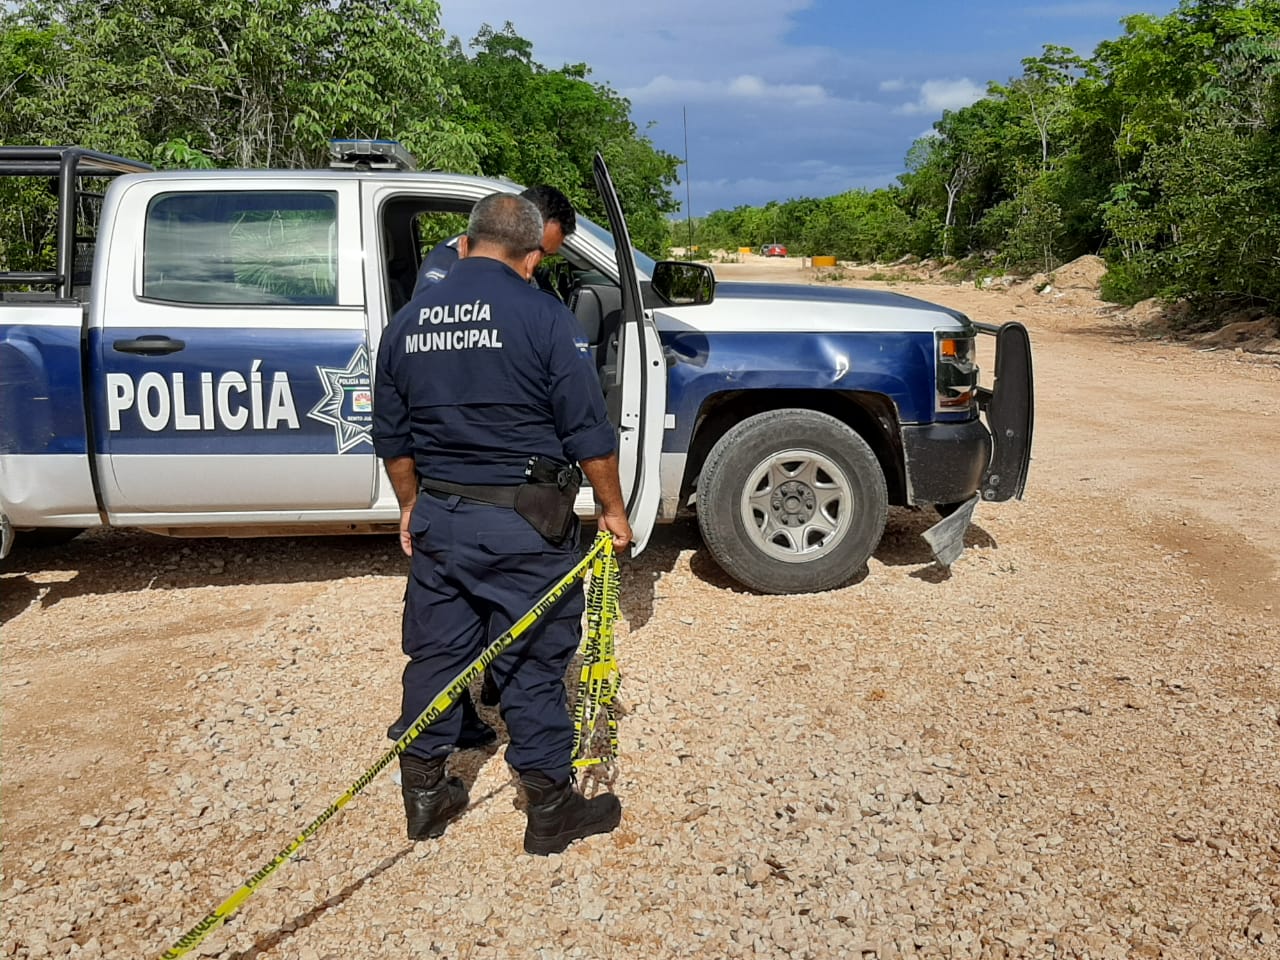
x=797, y=505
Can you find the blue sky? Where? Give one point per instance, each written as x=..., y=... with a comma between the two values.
x=791, y=98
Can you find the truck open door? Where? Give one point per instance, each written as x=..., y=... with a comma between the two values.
x=637, y=397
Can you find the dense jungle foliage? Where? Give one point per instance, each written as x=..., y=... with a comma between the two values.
x=1161, y=152
x=266, y=83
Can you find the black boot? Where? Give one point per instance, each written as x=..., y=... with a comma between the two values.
x=559, y=814
x=475, y=732
x=430, y=799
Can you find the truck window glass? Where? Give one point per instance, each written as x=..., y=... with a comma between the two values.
x=247, y=248
x=644, y=263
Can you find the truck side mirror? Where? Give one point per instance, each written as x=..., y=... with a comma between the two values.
x=681, y=283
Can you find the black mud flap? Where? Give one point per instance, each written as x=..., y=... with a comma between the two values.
x=1010, y=411
x=6, y=536
x=946, y=537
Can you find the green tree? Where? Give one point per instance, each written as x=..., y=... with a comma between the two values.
x=545, y=126
x=27, y=209
x=961, y=171
x=266, y=83
x=1192, y=213
x=244, y=82
x=858, y=225
x=1042, y=96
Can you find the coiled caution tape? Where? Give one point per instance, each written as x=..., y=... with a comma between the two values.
x=601, y=557
x=599, y=680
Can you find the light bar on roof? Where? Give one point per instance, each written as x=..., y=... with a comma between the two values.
x=369, y=155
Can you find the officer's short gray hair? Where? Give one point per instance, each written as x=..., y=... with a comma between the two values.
x=508, y=221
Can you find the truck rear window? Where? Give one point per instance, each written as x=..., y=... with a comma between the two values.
x=242, y=247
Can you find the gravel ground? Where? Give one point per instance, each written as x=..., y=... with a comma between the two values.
x=1067, y=747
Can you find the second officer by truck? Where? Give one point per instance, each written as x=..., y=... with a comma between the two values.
x=482, y=406
x=558, y=221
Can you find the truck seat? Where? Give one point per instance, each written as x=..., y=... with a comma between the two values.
x=586, y=306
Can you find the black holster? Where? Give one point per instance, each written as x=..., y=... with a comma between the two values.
x=545, y=500
x=548, y=508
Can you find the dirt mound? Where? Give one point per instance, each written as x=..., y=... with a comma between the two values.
x=1028, y=290
x=1256, y=336
x=1250, y=330
x=1146, y=312
x=1082, y=273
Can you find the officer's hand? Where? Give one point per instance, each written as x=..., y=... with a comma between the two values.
x=616, y=523
x=406, y=541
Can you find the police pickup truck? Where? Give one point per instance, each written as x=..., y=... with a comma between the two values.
x=197, y=362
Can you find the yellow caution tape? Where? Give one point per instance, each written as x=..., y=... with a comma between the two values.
x=599, y=679
x=601, y=552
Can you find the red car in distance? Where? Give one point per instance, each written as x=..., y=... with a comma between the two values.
x=773, y=250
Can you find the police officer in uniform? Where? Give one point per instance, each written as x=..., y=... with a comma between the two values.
x=482, y=405
x=558, y=222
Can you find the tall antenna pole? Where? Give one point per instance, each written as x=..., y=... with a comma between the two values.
x=688, y=194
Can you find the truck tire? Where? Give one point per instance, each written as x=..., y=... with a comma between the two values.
x=792, y=501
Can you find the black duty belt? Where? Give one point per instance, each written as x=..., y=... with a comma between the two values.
x=548, y=507
x=497, y=496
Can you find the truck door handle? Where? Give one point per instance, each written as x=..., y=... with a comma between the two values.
x=151, y=344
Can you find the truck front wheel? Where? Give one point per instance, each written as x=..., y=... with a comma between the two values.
x=792, y=501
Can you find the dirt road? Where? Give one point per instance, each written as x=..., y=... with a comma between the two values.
x=1068, y=747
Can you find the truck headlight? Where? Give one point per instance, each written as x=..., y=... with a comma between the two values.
x=956, y=372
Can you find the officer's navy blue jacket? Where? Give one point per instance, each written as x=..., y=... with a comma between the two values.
x=481, y=371
x=437, y=264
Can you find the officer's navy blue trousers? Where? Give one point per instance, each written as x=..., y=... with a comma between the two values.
x=476, y=569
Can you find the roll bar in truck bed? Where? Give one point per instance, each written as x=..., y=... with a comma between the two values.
x=68, y=164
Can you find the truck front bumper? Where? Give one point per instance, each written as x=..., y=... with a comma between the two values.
x=959, y=463
x=945, y=462
x=948, y=462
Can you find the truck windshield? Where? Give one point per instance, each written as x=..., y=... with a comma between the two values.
x=644, y=264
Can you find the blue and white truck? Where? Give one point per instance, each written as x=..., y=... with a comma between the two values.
x=197, y=362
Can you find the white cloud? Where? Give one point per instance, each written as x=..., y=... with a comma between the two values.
x=769, y=115
x=938, y=95
x=744, y=87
